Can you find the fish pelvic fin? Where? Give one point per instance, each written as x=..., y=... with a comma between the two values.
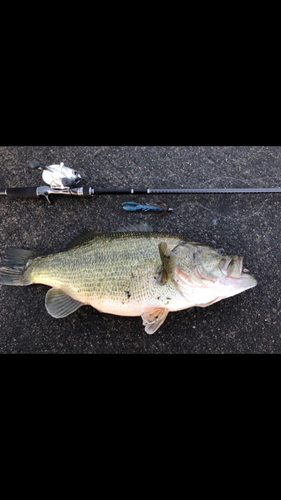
x=60, y=305
x=153, y=318
x=15, y=263
x=168, y=263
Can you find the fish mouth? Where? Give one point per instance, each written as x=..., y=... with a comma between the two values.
x=240, y=264
x=232, y=267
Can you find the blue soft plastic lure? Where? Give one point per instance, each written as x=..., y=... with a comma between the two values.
x=132, y=206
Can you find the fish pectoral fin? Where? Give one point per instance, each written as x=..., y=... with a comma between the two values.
x=153, y=318
x=168, y=263
x=60, y=305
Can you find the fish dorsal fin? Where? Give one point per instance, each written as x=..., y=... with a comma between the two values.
x=153, y=318
x=60, y=305
x=136, y=227
x=168, y=263
x=80, y=239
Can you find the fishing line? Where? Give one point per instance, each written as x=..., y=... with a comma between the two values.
x=257, y=179
x=218, y=215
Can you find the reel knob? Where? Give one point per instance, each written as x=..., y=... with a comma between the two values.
x=36, y=165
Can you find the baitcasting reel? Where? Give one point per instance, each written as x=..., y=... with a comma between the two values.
x=58, y=176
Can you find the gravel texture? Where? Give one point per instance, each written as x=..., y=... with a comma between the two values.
x=246, y=224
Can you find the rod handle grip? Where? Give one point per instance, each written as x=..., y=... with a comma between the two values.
x=26, y=192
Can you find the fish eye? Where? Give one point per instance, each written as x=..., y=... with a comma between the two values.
x=220, y=251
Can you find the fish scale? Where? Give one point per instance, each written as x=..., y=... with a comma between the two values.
x=107, y=269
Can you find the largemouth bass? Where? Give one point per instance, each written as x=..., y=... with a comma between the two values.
x=136, y=272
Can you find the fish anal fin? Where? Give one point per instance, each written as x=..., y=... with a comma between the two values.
x=153, y=318
x=168, y=263
x=60, y=305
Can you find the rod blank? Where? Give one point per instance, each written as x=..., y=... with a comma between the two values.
x=217, y=190
x=184, y=191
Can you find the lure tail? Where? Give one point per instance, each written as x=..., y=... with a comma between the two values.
x=14, y=265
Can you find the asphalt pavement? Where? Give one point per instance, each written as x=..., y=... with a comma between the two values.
x=244, y=224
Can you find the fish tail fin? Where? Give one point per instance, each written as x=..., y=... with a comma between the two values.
x=15, y=262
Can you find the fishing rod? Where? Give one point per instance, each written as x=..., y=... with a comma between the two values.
x=64, y=180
